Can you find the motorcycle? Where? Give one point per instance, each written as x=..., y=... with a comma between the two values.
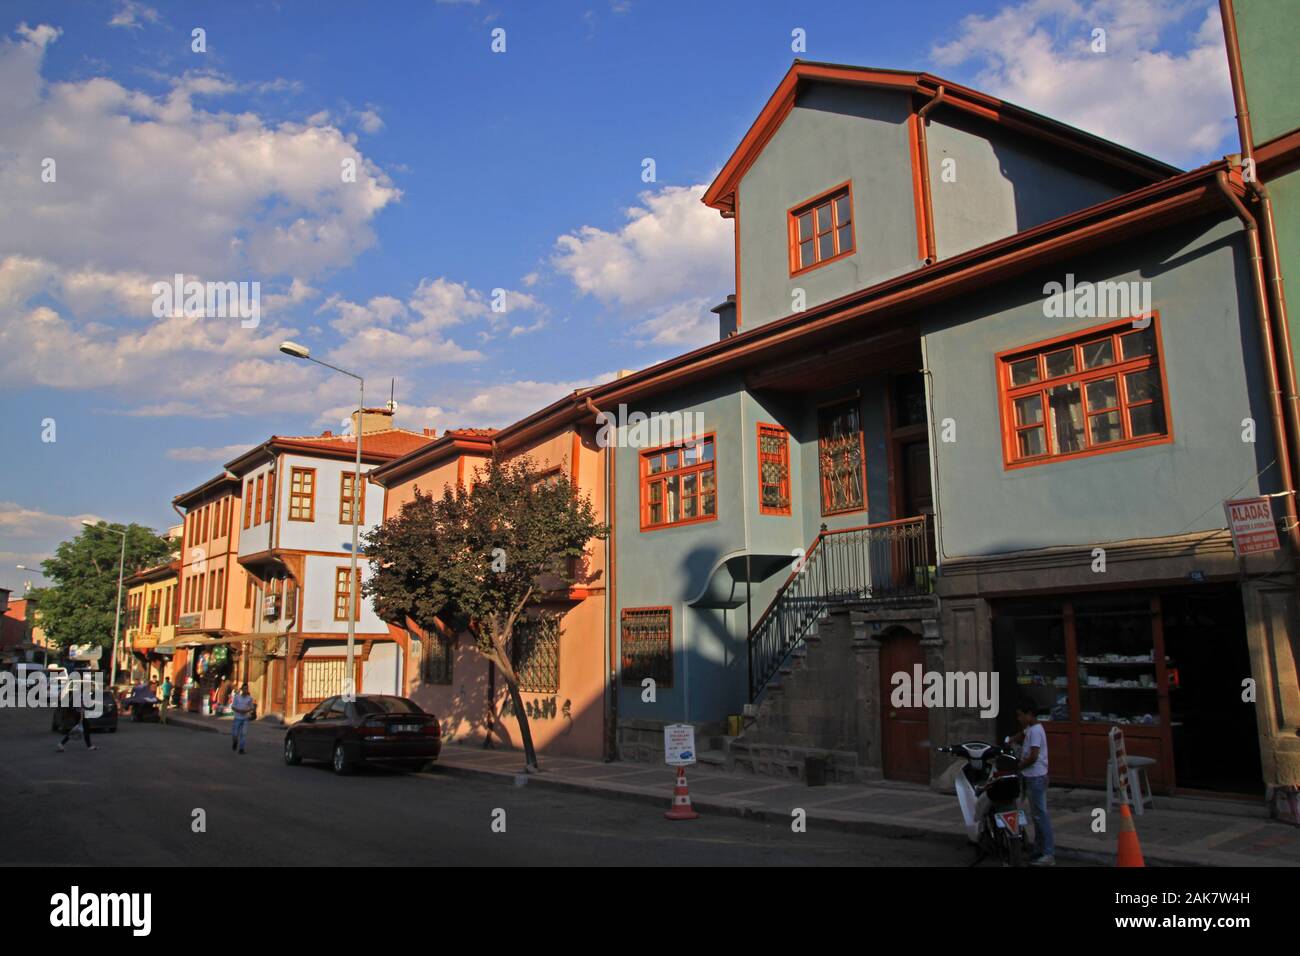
x=998, y=827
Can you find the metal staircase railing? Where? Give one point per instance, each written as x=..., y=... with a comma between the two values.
x=873, y=562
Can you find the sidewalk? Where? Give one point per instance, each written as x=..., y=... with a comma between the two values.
x=1181, y=831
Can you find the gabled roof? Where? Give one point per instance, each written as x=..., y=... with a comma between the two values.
x=454, y=442
x=186, y=498
x=1124, y=217
x=721, y=195
x=376, y=446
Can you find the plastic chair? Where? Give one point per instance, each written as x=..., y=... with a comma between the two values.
x=1139, y=784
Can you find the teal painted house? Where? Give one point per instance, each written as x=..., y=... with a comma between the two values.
x=981, y=392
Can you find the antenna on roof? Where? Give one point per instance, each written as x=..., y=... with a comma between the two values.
x=392, y=391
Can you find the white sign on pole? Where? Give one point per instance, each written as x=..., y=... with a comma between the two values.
x=679, y=745
x=1252, y=524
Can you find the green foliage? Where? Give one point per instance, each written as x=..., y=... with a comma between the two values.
x=477, y=556
x=78, y=608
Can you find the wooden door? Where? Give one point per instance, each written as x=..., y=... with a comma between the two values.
x=905, y=731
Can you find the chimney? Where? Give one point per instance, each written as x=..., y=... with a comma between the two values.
x=327, y=434
x=430, y=433
x=373, y=420
x=726, y=313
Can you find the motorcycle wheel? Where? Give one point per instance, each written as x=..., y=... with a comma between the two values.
x=1015, y=851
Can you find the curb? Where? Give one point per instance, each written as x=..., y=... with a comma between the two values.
x=762, y=815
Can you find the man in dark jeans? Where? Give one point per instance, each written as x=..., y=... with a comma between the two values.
x=1033, y=771
x=84, y=724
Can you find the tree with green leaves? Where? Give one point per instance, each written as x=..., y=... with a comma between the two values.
x=477, y=557
x=79, y=607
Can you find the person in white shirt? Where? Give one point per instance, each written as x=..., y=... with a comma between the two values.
x=244, y=707
x=1033, y=770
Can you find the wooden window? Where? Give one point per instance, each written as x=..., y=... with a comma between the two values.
x=341, y=591
x=221, y=587
x=1092, y=392
x=322, y=677
x=257, y=500
x=439, y=655
x=678, y=484
x=270, y=495
x=821, y=230
x=302, y=494
x=536, y=655
x=248, y=503
x=347, y=496
x=248, y=591
x=185, y=596
x=773, y=470
x=206, y=528
x=647, y=646
x=841, y=461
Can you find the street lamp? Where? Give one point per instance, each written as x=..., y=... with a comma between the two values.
x=27, y=587
x=294, y=350
x=117, y=613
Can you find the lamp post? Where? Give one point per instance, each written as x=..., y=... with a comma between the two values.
x=117, y=612
x=27, y=587
x=295, y=350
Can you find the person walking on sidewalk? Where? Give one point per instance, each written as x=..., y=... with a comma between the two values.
x=1033, y=770
x=164, y=700
x=83, y=725
x=244, y=708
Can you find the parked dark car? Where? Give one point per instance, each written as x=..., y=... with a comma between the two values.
x=65, y=718
x=370, y=729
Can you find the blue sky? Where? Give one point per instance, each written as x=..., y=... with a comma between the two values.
x=476, y=171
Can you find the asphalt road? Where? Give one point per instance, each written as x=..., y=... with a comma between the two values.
x=133, y=801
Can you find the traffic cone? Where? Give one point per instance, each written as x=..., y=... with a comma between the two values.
x=682, y=809
x=1130, y=850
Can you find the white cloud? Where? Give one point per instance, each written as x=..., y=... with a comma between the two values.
x=507, y=402
x=1038, y=54
x=130, y=15
x=199, y=453
x=673, y=255
x=237, y=198
x=29, y=523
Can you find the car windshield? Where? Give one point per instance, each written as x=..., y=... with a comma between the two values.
x=386, y=705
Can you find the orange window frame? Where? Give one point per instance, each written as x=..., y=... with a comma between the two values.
x=1118, y=368
x=221, y=588
x=631, y=614
x=345, y=479
x=257, y=500
x=302, y=494
x=248, y=503
x=828, y=201
x=649, y=480
x=341, y=575
x=270, y=495
x=206, y=528
x=824, y=481
x=779, y=459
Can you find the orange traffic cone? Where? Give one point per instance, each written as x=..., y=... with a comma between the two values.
x=682, y=809
x=1130, y=851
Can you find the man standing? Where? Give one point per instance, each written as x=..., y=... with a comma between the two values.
x=1033, y=769
x=165, y=700
x=244, y=707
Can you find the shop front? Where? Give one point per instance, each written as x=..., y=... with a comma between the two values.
x=1166, y=667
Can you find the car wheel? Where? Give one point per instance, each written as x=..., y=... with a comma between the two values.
x=291, y=755
x=341, y=764
x=419, y=766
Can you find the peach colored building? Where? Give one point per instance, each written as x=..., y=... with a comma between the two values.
x=211, y=615
x=562, y=676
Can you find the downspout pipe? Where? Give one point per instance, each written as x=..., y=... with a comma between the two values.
x=924, y=160
x=611, y=603
x=1267, y=228
x=1262, y=311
